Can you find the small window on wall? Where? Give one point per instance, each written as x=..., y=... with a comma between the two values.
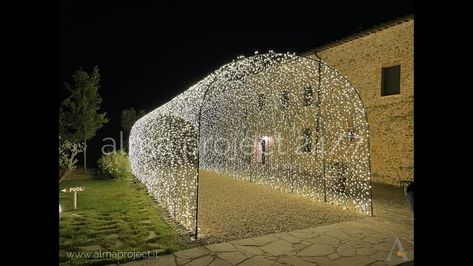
x=391, y=80
x=308, y=95
x=306, y=140
x=261, y=102
x=285, y=99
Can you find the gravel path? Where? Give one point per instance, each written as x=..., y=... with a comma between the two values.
x=231, y=209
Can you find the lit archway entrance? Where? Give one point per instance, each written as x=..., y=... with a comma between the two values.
x=291, y=123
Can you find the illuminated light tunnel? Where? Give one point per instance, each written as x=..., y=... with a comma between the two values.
x=289, y=122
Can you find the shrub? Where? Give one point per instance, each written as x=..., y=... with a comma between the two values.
x=115, y=166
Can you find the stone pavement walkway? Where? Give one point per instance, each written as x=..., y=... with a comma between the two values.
x=367, y=241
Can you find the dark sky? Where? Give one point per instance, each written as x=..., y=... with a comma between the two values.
x=150, y=51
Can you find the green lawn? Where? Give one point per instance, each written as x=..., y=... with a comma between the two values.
x=112, y=216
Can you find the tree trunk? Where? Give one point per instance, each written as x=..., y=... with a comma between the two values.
x=85, y=155
x=64, y=174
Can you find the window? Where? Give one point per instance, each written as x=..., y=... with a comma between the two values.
x=306, y=140
x=308, y=95
x=261, y=102
x=390, y=80
x=285, y=99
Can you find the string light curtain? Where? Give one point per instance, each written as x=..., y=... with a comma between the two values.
x=289, y=122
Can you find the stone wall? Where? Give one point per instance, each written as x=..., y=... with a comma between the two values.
x=391, y=118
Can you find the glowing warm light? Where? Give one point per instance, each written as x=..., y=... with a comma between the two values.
x=302, y=108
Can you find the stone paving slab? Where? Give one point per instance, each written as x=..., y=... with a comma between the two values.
x=222, y=247
x=278, y=248
x=367, y=241
x=167, y=260
x=232, y=257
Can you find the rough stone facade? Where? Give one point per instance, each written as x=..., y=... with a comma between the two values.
x=391, y=118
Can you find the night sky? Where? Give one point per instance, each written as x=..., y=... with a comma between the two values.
x=150, y=51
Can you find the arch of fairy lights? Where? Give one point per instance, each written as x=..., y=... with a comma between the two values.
x=289, y=122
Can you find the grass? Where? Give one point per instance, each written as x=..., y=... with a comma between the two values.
x=112, y=216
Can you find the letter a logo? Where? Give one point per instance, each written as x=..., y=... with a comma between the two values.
x=400, y=252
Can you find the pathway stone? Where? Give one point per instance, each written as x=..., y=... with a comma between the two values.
x=327, y=240
x=346, y=251
x=222, y=247
x=266, y=239
x=370, y=232
x=249, y=250
x=257, y=260
x=353, y=230
x=380, y=263
x=316, y=250
x=333, y=256
x=298, y=246
x=374, y=239
x=181, y=261
x=339, y=234
x=304, y=234
x=359, y=236
x=381, y=255
x=293, y=260
x=191, y=253
x=249, y=242
x=356, y=243
x=357, y=260
x=167, y=260
x=202, y=261
x=322, y=261
x=366, y=251
x=232, y=257
x=278, y=248
x=289, y=238
x=219, y=262
x=361, y=242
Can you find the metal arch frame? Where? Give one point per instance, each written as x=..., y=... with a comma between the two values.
x=297, y=57
x=367, y=125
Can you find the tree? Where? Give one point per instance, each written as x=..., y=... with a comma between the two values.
x=79, y=117
x=67, y=156
x=128, y=118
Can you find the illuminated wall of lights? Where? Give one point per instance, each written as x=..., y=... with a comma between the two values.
x=292, y=123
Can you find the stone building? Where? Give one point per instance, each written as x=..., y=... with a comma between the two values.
x=380, y=64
